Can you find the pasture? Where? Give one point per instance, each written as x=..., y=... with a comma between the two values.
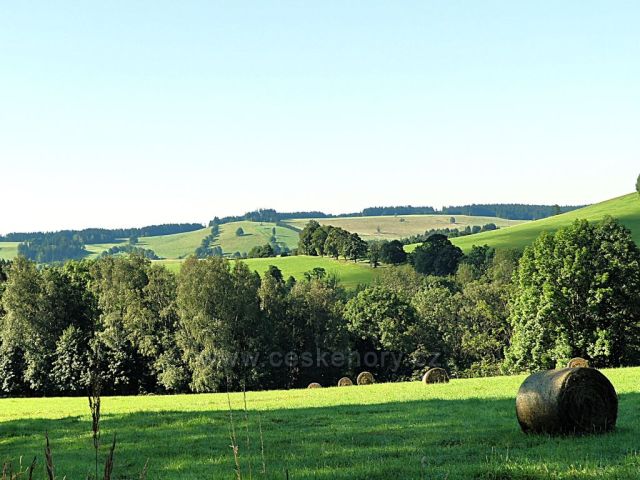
x=392, y=227
x=464, y=429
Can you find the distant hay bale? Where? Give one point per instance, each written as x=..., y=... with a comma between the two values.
x=314, y=385
x=578, y=362
x=567, y=401
x=365, y=378
x=435, y=375
x=345, y=382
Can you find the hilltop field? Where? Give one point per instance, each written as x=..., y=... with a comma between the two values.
x=464, y=429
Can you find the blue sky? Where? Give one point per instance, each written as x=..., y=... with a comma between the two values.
x=130, y=113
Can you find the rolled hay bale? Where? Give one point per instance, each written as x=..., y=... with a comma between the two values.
x=568, y=401
x=365, y=378
x=345, y=382
x=435, y=375
x=314, y=385
x=578, y=362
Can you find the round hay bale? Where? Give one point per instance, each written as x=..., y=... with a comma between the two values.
x=435, y=375
x=578, y=362
x=314, y=385
x=365, y=378
x=345, y=382
x=567, y=401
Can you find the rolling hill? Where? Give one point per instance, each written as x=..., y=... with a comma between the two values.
x=392, y=227
x=625, y=208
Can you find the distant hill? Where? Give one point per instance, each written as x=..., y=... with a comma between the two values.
x=509, y=211
x=625, y=208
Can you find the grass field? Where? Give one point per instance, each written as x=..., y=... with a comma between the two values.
x=393, y=227
x=625, y=208
x=350, y=274
x=464, y=429
x=8, y=250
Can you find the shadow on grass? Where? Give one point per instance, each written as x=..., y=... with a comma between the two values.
x=470, y=438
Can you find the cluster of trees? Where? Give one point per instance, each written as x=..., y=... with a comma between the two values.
x=218, y=325
x=321, y=240
x=271, y=249
x=206, y=248
x=450, y=232
x=131, y=248
x=389, y=252
x=52, y=247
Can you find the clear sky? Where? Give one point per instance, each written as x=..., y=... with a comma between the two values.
x=125, y=113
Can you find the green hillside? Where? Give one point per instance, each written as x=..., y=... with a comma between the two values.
x=392, y=227
x=464, y=429
x=625, y=208
x=350, y=274
x=254, y=234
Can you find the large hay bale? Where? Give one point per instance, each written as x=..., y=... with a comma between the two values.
x=314, y=385
x=435, y=375
x=345, y=382
x=365, y=378
x=578, y=362
x=567, y=401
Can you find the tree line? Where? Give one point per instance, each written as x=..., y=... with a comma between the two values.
x=90, y=236
x=515, y=211
x=217, y=325
x=50, y=247
x=511, y=211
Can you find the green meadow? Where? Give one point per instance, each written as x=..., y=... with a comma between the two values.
x=625, y=208
x=464, y=429
x=349, y=273
x=8, y=250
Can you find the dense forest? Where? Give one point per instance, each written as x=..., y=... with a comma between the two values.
x=218, y=325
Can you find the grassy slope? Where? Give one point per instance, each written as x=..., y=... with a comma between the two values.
x=464, y=429
x=625, y=208
x=254, y=234
x=391, y=227
x=350, y=274
x=178, y=245
x=8, y=250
